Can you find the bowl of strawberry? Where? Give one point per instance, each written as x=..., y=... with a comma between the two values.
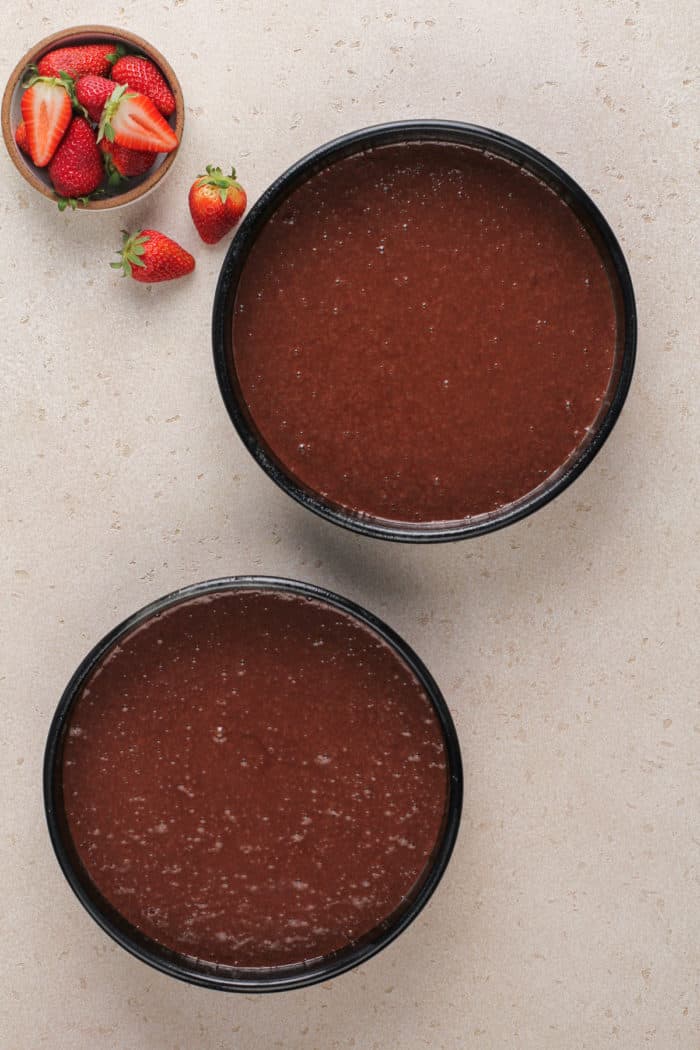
x=92, y=117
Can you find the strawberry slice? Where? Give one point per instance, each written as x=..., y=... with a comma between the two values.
x=132, y=120
x=46, y=111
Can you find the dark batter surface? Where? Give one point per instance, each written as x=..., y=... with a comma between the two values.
x=424, y=333
x=254, y=778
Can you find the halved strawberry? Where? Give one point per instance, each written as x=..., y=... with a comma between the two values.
x=132, y=120
x=46, y=111
x=149, y=256
x=140, y=74
x=78, y=61
x=93, y=93
x=122, y=163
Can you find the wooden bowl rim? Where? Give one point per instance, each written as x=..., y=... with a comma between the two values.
x=76, y=36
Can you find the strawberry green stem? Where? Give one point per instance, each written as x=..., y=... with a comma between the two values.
x=73, y=202
x=131, y=251
x=63, y=80
x=114, y=56
x=216, y=177
x=106, y=131
x=114, y=176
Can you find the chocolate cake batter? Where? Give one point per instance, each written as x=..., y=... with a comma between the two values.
x=423, y=333
x=254, y=778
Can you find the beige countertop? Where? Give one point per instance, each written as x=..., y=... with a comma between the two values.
x=569, y=917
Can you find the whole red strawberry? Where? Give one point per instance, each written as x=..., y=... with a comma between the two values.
x=76, y=169
x=217, y=202
x=92, y=93
x=122, y=163
x=78, y=61
x=21, y=137
x=149, y=256
x=143, y=76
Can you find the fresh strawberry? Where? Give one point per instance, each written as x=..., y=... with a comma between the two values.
x=76, y=169
x=140, y=74
x=21, y=137
x=96, y=59
x=149, y=256
x=217, y=202
x=132, y=120
x=122, y=163
x=46, y=111
x=92, y=93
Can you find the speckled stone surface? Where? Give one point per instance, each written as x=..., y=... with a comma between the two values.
x=566, y=645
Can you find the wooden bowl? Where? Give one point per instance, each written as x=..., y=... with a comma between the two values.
x=10, y=114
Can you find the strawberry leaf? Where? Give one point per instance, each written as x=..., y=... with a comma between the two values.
x=131, y=252
x=73, y=202
x=29, y=76
x=69, y=85
x=114, y=177
x=105, y=130
x=36, y=78
x=114, y=56
x=215, y=177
